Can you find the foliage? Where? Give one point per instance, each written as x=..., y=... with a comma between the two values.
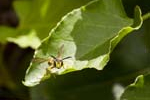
x=89, y=31
x=89, y=39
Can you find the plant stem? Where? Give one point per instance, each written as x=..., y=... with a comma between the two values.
x=146, y=16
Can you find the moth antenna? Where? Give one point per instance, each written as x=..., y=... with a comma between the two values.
x=66, y=58
x=53, y=57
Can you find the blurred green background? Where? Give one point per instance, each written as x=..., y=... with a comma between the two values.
x=129, y=59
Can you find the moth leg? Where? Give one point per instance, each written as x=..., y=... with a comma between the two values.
x=50, y=67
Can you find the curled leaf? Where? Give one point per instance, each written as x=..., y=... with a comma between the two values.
x=89, y=34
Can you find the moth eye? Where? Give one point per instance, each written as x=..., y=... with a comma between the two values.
x=62, y=63
x=50, y=63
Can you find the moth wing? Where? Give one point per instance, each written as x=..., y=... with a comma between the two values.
x=39, y=60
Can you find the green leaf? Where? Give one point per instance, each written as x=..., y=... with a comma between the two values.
x=27, y=40
x=37, y=15
x=84, y=85
x=89, y=34
x=139, y=90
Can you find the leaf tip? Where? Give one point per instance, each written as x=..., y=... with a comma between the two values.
x=138, y=20
x=29, y=84
x=139, y=82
